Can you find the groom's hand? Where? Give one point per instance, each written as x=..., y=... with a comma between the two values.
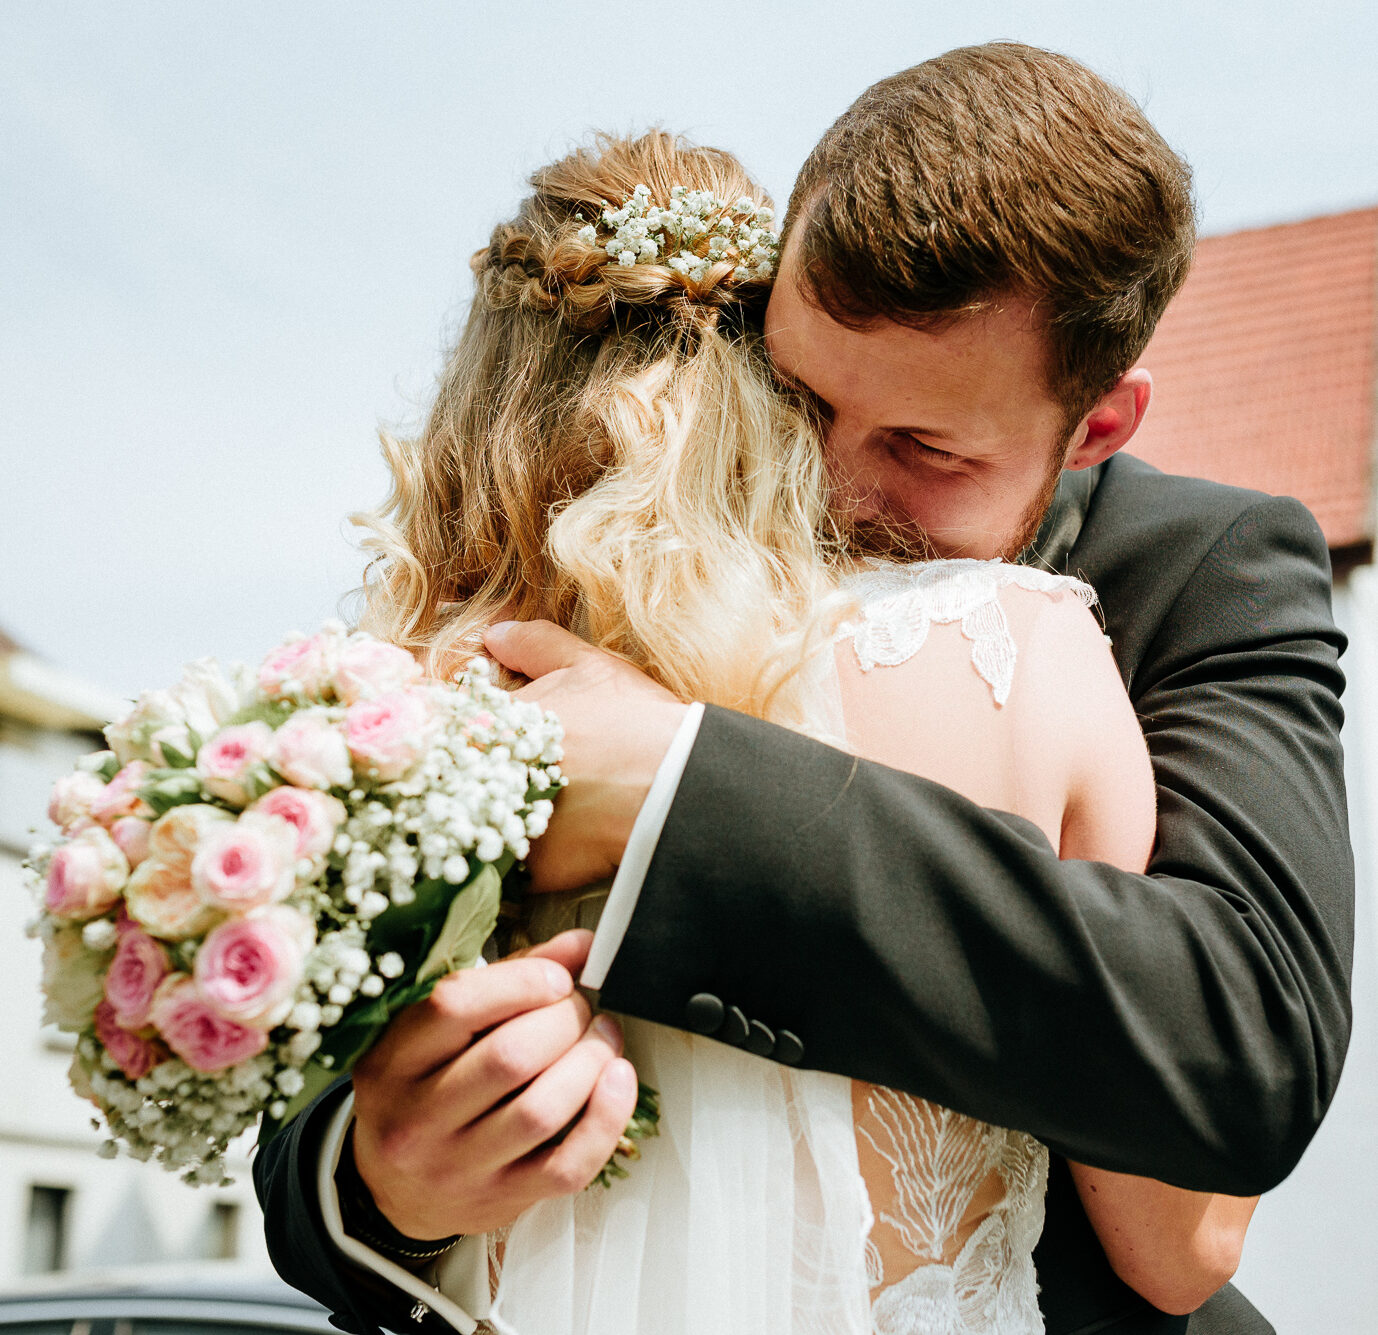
x=456, y=1106
x=618, y=726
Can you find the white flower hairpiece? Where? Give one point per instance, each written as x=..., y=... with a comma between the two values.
x=696, y=230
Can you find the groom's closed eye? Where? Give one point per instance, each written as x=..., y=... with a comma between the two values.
x=909, y=445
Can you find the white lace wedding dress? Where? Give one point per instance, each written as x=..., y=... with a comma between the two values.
x=786, y=1202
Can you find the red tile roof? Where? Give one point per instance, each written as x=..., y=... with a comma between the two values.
x=1265, y=368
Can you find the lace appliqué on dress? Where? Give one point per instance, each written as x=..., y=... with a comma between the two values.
x=957, y=1219
x=898, y=603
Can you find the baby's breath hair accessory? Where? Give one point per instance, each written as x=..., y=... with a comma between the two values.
x=690, y=235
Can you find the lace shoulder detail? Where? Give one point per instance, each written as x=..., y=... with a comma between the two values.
x=898, y=603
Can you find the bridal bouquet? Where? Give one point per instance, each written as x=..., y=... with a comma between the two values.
x=264, y=868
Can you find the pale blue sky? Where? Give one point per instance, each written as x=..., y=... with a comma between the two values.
x=234, y=236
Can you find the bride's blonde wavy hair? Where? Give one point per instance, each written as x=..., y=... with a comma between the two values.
x=608, y=450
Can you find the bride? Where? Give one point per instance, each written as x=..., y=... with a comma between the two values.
x=609, y=450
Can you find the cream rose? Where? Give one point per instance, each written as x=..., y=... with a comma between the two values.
x=72, y=795
x=160, y=896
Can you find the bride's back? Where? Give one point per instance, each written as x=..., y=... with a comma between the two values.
x=996, y=682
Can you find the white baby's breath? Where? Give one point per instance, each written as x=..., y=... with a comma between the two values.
x=689, y=235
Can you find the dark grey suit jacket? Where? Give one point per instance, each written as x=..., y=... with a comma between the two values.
x=1188, y=1024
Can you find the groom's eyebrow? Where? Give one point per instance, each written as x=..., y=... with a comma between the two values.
x=799, y=387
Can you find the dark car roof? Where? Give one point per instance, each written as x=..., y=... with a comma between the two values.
x=215, y=1295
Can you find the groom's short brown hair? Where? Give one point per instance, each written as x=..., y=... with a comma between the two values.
x=1000, y=169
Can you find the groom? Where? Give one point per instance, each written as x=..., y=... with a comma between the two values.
x=978, y=252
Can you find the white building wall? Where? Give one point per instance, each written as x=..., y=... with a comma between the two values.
x=1309, y=1262
x=120, y=1211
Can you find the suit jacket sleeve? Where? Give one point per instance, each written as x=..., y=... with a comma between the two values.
x=1188, y=1024
x=299, y=1247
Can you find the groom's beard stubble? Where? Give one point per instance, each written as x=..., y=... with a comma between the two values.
x=903, y=540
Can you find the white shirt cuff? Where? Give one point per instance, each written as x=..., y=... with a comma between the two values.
x=462, y=1272
x=641, y=847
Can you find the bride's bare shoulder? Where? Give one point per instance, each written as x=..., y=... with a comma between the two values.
x=1069, y=702
x=1008, y=693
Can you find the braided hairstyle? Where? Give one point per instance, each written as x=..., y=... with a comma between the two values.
x=538, y=263
x=608, y=449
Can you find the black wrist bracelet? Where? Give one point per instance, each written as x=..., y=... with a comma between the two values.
x=364, y=1221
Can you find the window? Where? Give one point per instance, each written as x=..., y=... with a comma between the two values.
x=45, y=1239
x=222, y=1232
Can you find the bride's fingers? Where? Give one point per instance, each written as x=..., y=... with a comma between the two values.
x=431, y=1034
x=571, y=1165
x=550, y=1103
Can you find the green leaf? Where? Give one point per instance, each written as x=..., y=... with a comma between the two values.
x=645, y=1121
x=357, y=1031
x=271, y=712
x=174, y=758
x=468, y=925
x=411, y=929
x=168, y=788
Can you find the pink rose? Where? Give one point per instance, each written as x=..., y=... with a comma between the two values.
x=160, y=896
x=248, y=969
x=131, y=834
x=245, y=865
x=201, y=1038
x=140, y=964
x=315, y=817
x=299, y=667
x=85, y=876
x=224, y=762
x=390, y=734
x=135, y=1055
x=71, y=798
x=368, y=668
x=310, y=751
x=120, y=797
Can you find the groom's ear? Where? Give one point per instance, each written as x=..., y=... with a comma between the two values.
x=1114, y=419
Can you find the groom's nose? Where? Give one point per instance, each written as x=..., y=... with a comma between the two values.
x=855, y=487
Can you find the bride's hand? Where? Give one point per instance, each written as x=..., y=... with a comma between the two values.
x=618, y=726
x=455, y=1106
